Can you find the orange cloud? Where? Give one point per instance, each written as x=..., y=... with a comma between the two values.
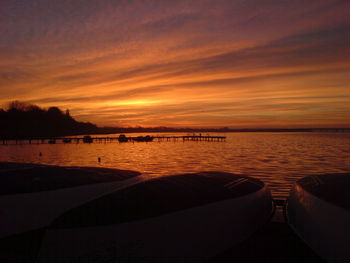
x=198, y=63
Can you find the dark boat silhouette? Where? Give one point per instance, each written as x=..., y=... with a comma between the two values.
x=87, y=139
x=146, y=138
x=182, y=218
x=122, y=138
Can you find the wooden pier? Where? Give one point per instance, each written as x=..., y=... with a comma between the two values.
x=87, y=140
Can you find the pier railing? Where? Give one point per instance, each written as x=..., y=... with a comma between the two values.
x=71, y=140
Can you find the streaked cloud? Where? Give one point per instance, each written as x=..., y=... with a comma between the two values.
x=241, y=63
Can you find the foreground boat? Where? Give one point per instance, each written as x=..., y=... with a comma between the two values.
x=318, y=210
x=181, y=218
x=32, y=196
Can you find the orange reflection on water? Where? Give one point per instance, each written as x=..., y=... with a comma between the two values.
x=277, y=158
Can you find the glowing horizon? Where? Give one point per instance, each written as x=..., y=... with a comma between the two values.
x=240, y=64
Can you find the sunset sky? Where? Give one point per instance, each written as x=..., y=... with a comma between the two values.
x=234, y=63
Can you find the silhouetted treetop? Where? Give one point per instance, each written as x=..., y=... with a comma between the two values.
x=21, y=106
x=24, y=120
x=54, y=111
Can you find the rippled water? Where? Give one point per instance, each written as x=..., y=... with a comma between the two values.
x=276, y=158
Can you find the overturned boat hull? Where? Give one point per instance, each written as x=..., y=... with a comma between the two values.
x=318, y=210
x=182, y=218
x=32, y=196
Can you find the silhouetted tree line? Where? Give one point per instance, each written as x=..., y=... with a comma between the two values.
x=23, y=120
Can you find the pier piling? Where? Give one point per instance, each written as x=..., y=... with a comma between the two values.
x=89, y=139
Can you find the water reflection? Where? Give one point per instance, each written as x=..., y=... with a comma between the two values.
x=277, y=158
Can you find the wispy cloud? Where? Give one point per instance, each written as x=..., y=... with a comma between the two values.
x=210, y=63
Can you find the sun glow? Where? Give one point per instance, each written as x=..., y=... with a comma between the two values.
x=194, y=63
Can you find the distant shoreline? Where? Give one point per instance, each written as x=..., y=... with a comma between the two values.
x=221, y=130
x=27, y=121
x=176, y=130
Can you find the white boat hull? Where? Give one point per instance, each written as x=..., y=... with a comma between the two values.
x=191, y=235
x=28, y=211
x=23, y=212
x=323, y=225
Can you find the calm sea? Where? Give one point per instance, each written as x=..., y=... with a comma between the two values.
x=276, y=158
